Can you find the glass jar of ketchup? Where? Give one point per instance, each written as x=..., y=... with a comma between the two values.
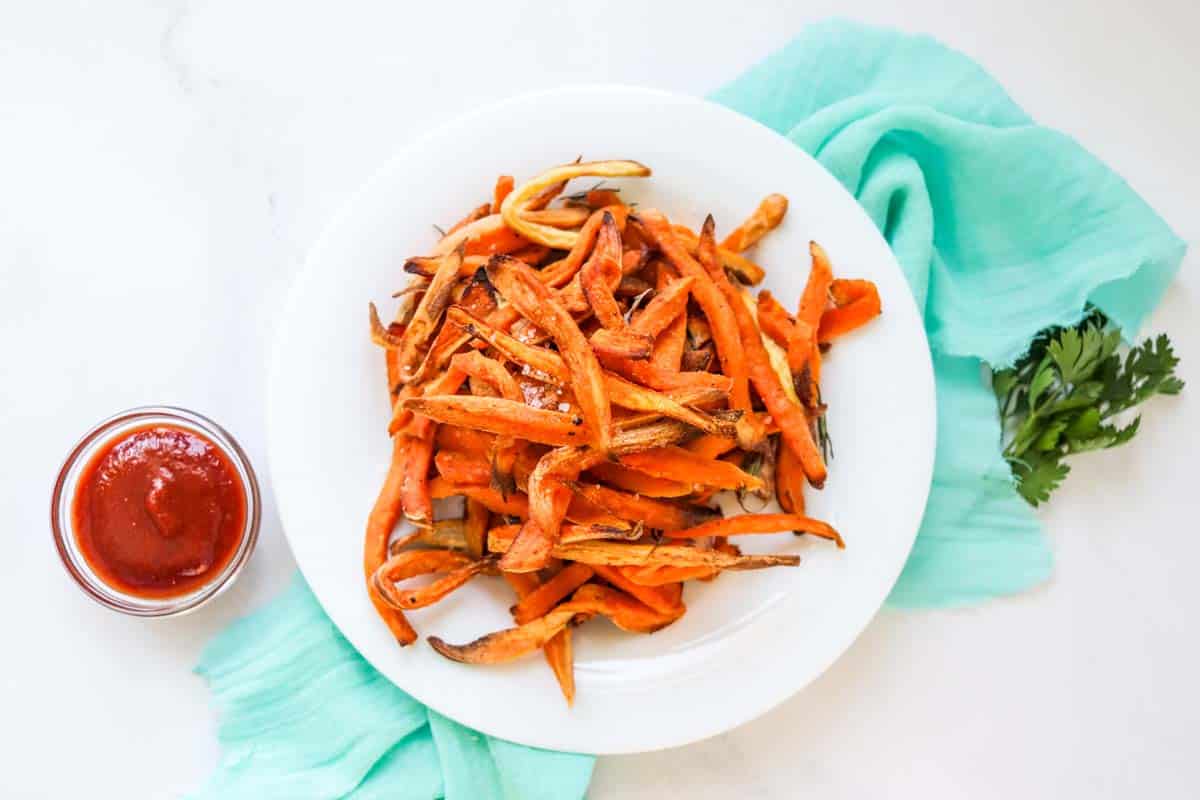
x=155, y=511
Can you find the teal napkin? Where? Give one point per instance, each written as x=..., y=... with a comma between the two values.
x=1001, y=227
x=304, y=716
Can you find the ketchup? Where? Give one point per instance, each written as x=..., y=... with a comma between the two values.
x=159, y=511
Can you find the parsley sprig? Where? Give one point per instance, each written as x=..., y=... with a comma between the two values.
x=1064, y=396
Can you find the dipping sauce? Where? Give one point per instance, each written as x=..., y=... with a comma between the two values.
x=158, y=511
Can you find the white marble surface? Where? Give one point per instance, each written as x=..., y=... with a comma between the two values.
x=165, y=165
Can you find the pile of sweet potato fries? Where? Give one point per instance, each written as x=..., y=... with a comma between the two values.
x=588, y=375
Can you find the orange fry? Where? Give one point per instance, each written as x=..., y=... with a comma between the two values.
x=666, y=599
x=630, y=480
x=766, y=218
x=678, y=464
x=380, y=524
x=658, y=514
x=500, y=416
x=504, y=185
x=789, y=481
x=667, y=306
x=774, y=319
x=857, y=303
x=539, y=602
x=760, y=523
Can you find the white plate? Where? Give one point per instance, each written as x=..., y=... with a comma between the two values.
x=749, y=640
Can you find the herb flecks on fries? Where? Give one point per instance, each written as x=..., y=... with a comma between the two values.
x=588, y=374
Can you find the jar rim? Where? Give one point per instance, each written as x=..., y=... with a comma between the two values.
x=62, y=526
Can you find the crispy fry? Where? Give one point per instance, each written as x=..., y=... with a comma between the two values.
x=500, y=416
x=666, y=599
x=515, y=505
x=500, y=538
x=766, y=218
x=630, y=480
x=678, y=464
x=464, y=440
x=516, y=204
x=457, y=567
x=760, y=523
x=654, y=513
x=504, y=185
x=658, y=576
x=542, y=599
x=667, y=306
x=774, y=319
x=520, y=285
x=857, y=303
x=789, y=481
x=380, y=524
x=462, y=468
x=510, y=644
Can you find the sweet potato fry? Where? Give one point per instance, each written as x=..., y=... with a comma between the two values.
x=658, y=576
x=813, y=302
x=504, y=185
x=428, y=312
x=485, y=236
x=510, y=644
x=502, y=417
x=789, y=481
x=678, y=464
x=857, y=304
x=380, y=335
x=516, y=204
x=380, y=524
x=760, y=523
x=666, y=599
x=774, y=319
x=654, y=513
x=501, y=537
x=600, y=553
x=627, y=612
x=630, y=480
x=667, y=306
x=545, y=597
x=520, y=285
x=464, y=440
x=462, y=468
x=601, y=273
x=558, y=651
x=457, y=567
x=515, y=505
x=710, y=446
x=766, y=218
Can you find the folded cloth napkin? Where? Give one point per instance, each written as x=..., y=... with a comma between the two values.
x=1002, y=228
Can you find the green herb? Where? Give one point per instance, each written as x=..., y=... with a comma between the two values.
x=1063, y=396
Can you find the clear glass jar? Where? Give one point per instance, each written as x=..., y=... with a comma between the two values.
x=62, y=524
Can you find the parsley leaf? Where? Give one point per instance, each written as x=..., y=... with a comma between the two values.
x=1062, y=398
